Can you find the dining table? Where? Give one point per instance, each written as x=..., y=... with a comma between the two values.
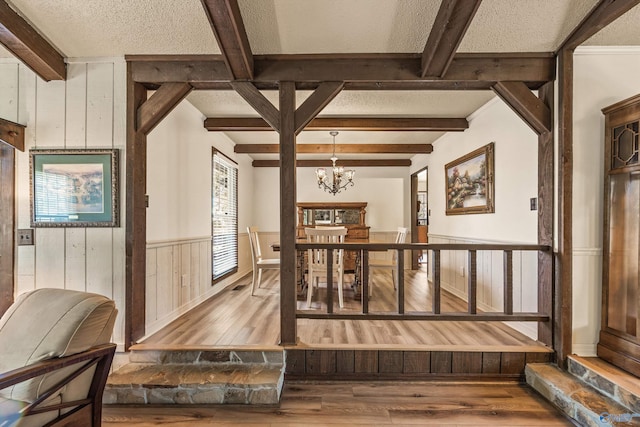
x=301, y=283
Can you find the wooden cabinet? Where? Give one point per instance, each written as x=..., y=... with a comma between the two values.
x=619, y=341
x=351, y=215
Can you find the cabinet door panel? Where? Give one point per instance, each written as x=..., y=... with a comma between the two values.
x=623, y=252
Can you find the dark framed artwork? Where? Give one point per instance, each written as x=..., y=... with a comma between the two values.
x=74, y=188
x=469, y=182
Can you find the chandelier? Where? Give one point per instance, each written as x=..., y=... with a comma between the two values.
x=341, y=178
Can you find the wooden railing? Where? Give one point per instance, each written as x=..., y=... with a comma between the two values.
x=472, y=313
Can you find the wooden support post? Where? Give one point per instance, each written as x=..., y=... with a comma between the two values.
x=329, y=281
x=286, y=120
x=545, y=221
x=436, y=282
x=364, y=291
x=508, y=282
x=562, y=294
x=400, y=273
x=136, y=216
x=472, y=283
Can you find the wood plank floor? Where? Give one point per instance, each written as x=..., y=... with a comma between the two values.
x=234, y=318
x=347, y=404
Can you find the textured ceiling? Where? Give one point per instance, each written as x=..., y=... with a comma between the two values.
x=98, y=28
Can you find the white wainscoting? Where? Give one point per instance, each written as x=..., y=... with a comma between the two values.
x=179, y=277
x=587, y=300
x=490, y=278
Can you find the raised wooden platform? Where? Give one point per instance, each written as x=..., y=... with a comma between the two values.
x=355, y=349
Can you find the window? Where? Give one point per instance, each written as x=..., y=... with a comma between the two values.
x=224, y=216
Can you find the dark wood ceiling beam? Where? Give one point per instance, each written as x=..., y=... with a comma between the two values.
x=327, y=163
x=319, y=99
x=23, y=41
x=161, y=103
x=417, y=124
x=528, y=106
x=340, y=148
x=228, y=27
x=602, y=14
x=450, y=26
x=358, y=71
x=12, y=134
x=262, y=105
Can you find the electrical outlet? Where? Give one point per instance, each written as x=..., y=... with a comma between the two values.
x=25, y=237
x=185, y=280
x=462, y=271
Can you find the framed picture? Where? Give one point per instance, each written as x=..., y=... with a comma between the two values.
x=74, y=188
x=469, y=182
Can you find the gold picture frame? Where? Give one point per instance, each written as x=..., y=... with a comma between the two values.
x=469, y=183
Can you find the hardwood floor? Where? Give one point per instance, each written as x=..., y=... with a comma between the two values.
x=346, y=404
x=234, y=318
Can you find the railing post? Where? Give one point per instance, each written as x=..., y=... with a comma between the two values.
x=364, y=290
x=435, y=298
x=508, y=282
x=329, y=281
x=472, y=283
x=400, y=273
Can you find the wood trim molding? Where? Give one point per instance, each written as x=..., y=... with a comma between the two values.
x=161, y=103
x=12, y=133
x=7, y=225
x=526, y=105
x=405, y=124
x=604, y=13
x=327, y=163
x=340, y=148
x=450, y=26
x=29, y=46
x=227, y=24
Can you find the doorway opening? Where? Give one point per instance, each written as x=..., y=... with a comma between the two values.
x=419, y=216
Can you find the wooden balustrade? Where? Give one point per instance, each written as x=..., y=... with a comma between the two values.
x=435, y=314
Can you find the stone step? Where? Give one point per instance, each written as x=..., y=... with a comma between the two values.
x=609, y=380
x=575, y=398
x=197, y=377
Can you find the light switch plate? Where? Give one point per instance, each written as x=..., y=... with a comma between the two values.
x=25, y=237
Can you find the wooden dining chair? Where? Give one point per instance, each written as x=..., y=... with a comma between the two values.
x=259, y=263
x=317, y=258
x=389, y=261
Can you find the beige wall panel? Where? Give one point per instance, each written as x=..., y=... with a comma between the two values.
x=75, y=137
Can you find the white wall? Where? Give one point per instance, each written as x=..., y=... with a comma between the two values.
x=516, y=177
x=179, y=155
x=85, y=111
x=516, y=181
x=385, y=189
x=602, y=76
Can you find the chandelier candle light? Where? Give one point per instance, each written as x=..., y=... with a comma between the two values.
x=339, y=174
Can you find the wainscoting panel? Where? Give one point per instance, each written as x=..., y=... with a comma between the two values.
x=179, y=277
x=490, y=278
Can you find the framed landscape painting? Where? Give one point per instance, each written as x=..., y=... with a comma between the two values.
x=74, y=188
x=469, y=182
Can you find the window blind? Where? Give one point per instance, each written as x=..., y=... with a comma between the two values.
x=224, y=216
